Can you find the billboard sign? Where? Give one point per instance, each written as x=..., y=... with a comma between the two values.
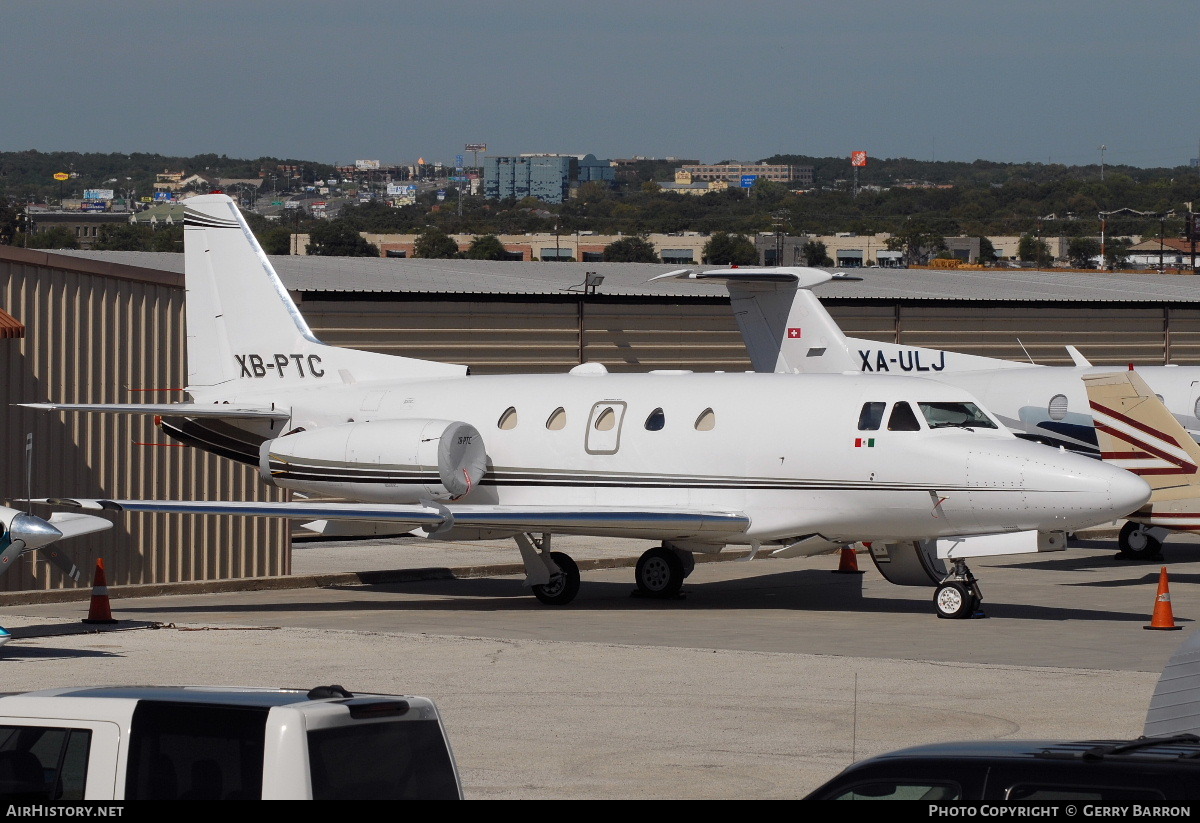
x=163, y=196
x=366, y=165
x=476, y=147
x=858, y=158
x=97, y=194
x=62, y=175
x=748, y=180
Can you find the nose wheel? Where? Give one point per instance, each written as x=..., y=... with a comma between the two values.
x=958, y=596
x=1138, y=542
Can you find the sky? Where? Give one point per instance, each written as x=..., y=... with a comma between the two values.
x=394, y=81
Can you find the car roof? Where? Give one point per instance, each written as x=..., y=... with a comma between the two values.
x=208, y=695
x=1183, y=748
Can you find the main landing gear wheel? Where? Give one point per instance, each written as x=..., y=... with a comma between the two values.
x=659, y=573
x=955, y=600
x=563, y=587
x=1136, y=543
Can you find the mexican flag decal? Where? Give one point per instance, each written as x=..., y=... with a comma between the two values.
x=864, y=442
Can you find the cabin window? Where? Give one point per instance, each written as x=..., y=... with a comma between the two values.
x=961, y=415
x=1058, y=407
x=1196, y=407
x=508, y=420
x=656, y=421
x=606, y=420
x=557, y=419
x=903, y=419
x=707, y=421
x=871, y=417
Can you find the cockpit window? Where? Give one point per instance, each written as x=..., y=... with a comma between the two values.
x=960, y=415
x=903, y=419
x=871, y=417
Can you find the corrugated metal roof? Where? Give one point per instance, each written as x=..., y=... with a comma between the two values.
x=408, y=275
x=10, y=327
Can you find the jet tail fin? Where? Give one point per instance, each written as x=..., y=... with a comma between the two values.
x=1137, y=432
x=782, y=322
x=242, y=325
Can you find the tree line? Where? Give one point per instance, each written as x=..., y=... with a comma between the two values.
x=917, y=201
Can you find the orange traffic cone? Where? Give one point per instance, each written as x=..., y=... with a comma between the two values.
x=99, y=611
x=1162, y=617
x=848, y=563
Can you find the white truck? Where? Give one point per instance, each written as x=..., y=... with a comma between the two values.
x=215, y=743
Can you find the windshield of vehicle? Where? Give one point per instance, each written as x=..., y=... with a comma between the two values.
x=961, y=415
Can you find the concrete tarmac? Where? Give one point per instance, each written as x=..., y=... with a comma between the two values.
x=763, y=681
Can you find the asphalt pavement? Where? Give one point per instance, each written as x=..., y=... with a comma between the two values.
x=764, y=679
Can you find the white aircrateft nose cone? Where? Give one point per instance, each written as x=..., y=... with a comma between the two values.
x=1093, y=492
x=33, y=531
x=1039, y=487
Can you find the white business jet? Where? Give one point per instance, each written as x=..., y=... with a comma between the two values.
x=787, y=330
x=692, y=462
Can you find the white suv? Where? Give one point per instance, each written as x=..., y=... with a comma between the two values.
x=214, y=743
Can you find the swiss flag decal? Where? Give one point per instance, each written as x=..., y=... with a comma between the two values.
x=793, y=333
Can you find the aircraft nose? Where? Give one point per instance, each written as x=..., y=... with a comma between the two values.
x=1053, y=490
x=1102, y=493
x=33, y=531
x=1127, y=491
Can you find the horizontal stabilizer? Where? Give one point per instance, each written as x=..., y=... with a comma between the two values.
x=801, y=277
x=170, y=409
x=582, y=520
x=784, y=325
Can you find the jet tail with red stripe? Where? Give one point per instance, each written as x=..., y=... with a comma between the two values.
x=1136, y=431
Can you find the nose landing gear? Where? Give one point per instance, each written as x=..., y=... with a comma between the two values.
x=958, y=595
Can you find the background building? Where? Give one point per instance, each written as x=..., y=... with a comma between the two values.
x=732, y=173
x=548, y=177
x=84, y=225
x=104, y=332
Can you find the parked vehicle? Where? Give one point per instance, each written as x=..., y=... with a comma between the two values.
x=1146, y=772
x=213, y=743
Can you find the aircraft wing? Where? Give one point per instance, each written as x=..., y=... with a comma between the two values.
x=665, y=523
x=73, y=524
x=169, y=409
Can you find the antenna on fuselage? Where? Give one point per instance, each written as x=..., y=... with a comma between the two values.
x=1022, y=345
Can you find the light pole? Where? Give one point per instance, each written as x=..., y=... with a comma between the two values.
x=1102, y=150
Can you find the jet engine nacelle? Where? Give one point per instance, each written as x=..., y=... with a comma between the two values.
x=387, y=461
